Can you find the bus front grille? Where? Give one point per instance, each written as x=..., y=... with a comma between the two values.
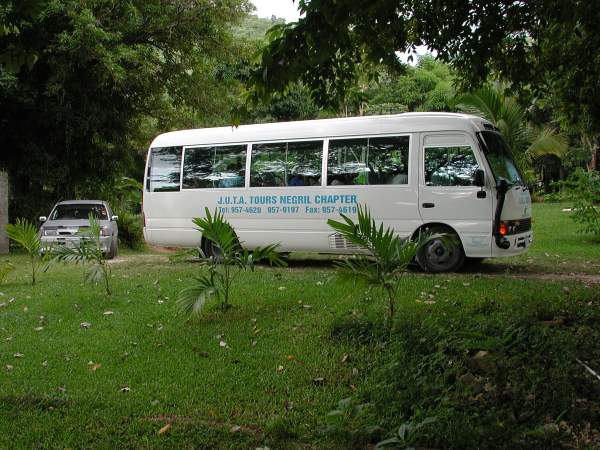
x=339, y=242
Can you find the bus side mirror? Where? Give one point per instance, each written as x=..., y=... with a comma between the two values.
x=479, y=178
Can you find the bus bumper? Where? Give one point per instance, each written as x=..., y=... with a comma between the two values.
x=517, y=244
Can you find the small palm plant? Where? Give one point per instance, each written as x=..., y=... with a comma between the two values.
x=228, y=261
x=90, y=252
x=387, y=257
x=26, y=235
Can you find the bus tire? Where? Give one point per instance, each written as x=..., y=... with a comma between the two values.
x=211, y=250
x=438, y=255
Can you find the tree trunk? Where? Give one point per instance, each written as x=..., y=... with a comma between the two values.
x=593, y=164
x=3, y=212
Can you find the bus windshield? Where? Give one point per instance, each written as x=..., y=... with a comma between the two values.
x=500, y=158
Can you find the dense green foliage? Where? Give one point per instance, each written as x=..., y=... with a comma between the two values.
x=101, y=75
x=528, y=142
x=583, y=189
x=537, y=46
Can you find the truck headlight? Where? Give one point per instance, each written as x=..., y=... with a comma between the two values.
x=50, y=233
x=105, y=231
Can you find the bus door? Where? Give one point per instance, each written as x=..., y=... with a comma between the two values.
x=447, y=193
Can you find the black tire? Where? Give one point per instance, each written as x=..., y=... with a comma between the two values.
x=211, y=250
x=441, y=255
x=112, y=253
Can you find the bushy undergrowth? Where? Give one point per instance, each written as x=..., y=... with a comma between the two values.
x=131, y=232
x=487, y=375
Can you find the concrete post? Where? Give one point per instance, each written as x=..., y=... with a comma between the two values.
x=3, y=212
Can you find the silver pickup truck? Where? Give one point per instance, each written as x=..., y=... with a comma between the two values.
x=69, y=220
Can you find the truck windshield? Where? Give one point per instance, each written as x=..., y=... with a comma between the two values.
x=500, y=158
x=79, y=212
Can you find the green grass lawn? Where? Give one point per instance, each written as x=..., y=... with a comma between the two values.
x=268, y=371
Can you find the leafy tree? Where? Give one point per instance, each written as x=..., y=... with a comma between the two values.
x=101, y=73
x=550, y=47
x=526, y=141
x=426, y=87
x=227, y=259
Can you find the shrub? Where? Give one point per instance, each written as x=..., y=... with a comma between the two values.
x=26, y=235
x=583, y=188
x=88, y=252
x=131, y=230
x=387, y=259
x=228, y=261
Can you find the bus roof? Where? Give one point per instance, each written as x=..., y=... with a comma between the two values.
x=313, y=129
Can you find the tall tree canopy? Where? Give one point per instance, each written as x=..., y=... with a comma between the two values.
x=79, y=77
x=548, y=46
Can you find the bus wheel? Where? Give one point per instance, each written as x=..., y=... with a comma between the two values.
x=441, y=255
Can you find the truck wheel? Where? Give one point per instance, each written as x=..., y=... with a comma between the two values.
x=441, y=255
x=112, y=253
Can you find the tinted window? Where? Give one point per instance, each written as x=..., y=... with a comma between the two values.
x=214, y=167
x=450, y=166
x=286, y=164
x=500, y=159
x=164, y=169
x=374, y=161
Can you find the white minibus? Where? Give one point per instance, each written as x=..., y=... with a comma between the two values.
x=281, y=182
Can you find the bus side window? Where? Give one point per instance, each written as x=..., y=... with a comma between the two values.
x=303, y=162
x=286, y=164
x=388, y=160
x=214, y=167
x=346, y=163
x=450, y=166
x=164, y=169
x=372, y=161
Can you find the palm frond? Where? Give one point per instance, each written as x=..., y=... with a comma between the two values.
x=5, y=269
x=216, y=229
x=186, y=253
x=485, y=102
x=94, y=275
x=269, y=254
x=546, y=141
x=25, y=234
x=193, y=298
